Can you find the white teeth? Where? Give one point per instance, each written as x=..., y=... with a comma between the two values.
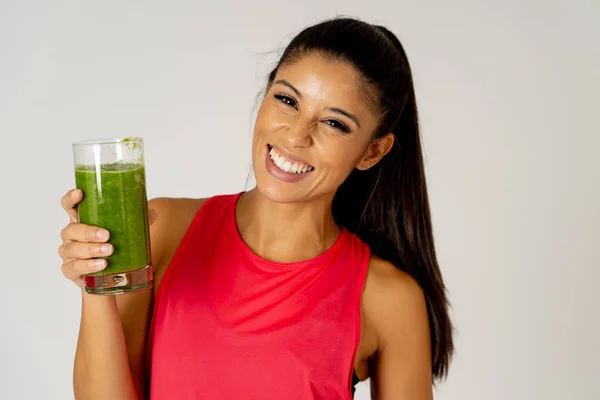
x=286, y=165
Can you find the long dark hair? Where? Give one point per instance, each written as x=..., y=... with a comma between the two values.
x=387, y=205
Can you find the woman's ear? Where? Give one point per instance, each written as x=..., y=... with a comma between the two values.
x=375, y=151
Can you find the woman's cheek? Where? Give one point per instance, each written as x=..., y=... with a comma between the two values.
x=341, y=154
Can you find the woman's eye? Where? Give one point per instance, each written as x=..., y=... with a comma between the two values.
x=286, y=100
x=337, y=125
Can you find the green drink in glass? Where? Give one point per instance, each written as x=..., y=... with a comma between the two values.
x=111, y=174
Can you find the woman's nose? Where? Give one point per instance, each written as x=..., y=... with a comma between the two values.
x=299, y=135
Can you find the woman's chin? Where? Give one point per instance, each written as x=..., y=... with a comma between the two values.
x=277, y=193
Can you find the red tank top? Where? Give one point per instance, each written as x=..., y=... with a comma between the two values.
x=228, y=324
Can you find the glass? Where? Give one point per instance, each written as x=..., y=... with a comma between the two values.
x=111, y=174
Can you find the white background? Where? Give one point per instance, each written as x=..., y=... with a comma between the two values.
x=507, y=93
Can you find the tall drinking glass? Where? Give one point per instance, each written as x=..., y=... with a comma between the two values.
x=111, y=174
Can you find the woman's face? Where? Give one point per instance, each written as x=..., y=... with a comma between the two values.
x=313, y=128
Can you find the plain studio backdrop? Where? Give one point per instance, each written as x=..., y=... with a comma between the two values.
x=507, y=92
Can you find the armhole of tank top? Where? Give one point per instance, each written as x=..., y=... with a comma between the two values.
x=158, y=297
x=164, y=282
x=357, y=298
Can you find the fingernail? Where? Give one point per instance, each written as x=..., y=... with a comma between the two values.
x=99, y=264
x=75, y=193
x=102, y=234
x=106, y=249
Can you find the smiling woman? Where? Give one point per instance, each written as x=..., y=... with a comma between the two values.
x=323, y=275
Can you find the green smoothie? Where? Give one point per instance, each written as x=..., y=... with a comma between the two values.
x=115, y=199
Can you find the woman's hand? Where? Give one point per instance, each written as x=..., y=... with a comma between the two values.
x=83, y=245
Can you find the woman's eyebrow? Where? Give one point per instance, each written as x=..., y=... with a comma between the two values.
x=344, y=113
x=289, y=85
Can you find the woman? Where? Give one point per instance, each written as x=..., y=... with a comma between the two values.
x=322, y=275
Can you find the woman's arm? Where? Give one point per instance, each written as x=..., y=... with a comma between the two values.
x=111, y=350
x=396, y=306
x=109, y=357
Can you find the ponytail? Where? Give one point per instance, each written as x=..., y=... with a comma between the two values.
x=387, y=207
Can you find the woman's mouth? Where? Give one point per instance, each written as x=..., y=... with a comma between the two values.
x=287, y=168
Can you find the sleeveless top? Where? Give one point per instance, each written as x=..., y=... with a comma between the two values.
x=228, y=324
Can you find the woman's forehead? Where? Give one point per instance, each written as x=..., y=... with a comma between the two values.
x=324, y=78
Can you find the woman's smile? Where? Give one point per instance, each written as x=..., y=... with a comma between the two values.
x=285, y=166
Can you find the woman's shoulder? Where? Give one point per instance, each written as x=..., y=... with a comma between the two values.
x=173, y=218
x=392, y=300
x=388, y=279
x=173, y=215
x=181, y=209
x=178, y=207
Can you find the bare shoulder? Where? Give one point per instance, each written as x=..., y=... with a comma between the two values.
x=173, y=210
x=174, y=216
x=389, y=284
x=393, y=301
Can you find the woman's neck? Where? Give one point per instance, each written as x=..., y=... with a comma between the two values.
x=289, y=232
